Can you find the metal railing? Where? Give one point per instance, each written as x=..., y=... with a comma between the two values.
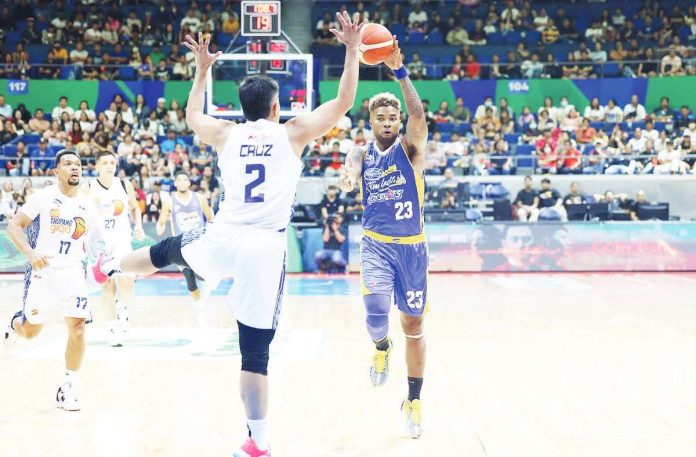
x=514, y=71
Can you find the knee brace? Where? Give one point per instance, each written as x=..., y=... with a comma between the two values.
x=167, y=252
x=377, y=307
x=190, y=279
x=254, y=344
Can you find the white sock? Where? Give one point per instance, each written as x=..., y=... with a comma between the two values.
x=71, y=377
x=259, y=433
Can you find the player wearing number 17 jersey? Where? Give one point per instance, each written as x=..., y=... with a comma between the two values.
x=394, y=253
x=57, y=219
x=260, y=167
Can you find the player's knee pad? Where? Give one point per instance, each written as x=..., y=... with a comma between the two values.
x=167, y=252
x=377, y=307
x=190, y=276
x=254, y=344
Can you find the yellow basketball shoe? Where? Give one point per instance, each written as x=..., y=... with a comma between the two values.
x=412, y=410
x=379, y=371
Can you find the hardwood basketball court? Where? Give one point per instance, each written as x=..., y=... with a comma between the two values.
x=518, y=365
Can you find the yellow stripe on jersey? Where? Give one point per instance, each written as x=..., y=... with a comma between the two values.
x=413, y=239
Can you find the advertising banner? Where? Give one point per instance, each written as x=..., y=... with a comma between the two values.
x=612, y=246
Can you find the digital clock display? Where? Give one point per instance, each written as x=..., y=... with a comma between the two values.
x=261, y=8
x=260, y=18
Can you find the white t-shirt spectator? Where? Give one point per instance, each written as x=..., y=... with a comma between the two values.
x=613, y=115
x=513, y=13
x=421, y=17
x=78, y=57
x=6, y=111
x=191, y=23
x=127, y=116
x=91, y=115
x=320, y=24
x=125, y=150
x=594, y=34
x=639, y=110
x=594, y=114
x=637, y=145
x=652, y=134
x=673, y=62
x=455, y=148
x=58, y=112
x=92, y=36
x=540, y=22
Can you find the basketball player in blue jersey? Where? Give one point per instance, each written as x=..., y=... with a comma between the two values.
x=260, y=167
x=188, y=211
x=394, y=253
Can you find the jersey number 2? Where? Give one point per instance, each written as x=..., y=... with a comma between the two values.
x=249, y=196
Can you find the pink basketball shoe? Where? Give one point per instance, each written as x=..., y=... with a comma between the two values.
x=250, y=449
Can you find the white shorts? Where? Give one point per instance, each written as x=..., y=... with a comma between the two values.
x=253, y=257
x=48, y=290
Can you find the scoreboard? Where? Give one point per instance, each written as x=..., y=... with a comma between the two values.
x=260, y=18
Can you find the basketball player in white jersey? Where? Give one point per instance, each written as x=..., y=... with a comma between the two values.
x=260, y=167
x=58, y=220
x=112, y=196
x=188, y=211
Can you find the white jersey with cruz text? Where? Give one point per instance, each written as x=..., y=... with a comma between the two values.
x=260, y=172
x=59, y=225
x=112, y=205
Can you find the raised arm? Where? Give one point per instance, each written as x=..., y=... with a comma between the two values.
x=305, y=127
x=416, y=135
x=211, y=130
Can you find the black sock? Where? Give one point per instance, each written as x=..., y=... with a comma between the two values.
x=383, y=344
x=414, y=388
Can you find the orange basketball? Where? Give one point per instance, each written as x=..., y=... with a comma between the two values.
x=376, y=44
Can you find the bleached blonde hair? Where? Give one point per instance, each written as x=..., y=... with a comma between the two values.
x=384, y=99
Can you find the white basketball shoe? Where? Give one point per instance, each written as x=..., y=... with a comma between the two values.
x=66, y=398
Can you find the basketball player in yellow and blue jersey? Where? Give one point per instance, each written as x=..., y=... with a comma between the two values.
x=394, y=253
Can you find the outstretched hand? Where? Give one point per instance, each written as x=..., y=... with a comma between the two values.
x=204, y=59
x=347, y=178
x=350, y=30
x=394, y=61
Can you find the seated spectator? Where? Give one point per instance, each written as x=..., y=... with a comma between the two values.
x=641, y=199
x=527, y=202
x=331, y=257
x=472, y=67
x=62, y=107
x=460, y=113
x=571, y=122
x=8, y=203
x=457, y=71
x=671, y=64
x=479, y=162
x=634, y=110
x=525, y=118
x=500, y=162
x=532, y=68
x=457, y=36
x=683, y=118
x=594, y=112
x=435, y=158
x=418, y=15
x=449, y=199
x=38, y=124
x=443, y=115
x=664, y=112
x=586, y=133
x=331, y=205
x=570, y=158
x=416, y=68
x=613, y=114
x=511, y=68
x=324, y=35
x=575, y=197
x=598, y=55
x=618, y=53
x=649, y=67
x=167, y=146
x=670, y=161
x=550, y=203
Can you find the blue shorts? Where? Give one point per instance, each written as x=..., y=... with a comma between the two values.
x=394, y=269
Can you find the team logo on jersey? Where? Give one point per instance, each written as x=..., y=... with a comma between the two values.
x=373, y=174
x=390, y=194
x=118, y=207
x=55, y=212
x=80, y=228
x=369, y=159
x=387, y=182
